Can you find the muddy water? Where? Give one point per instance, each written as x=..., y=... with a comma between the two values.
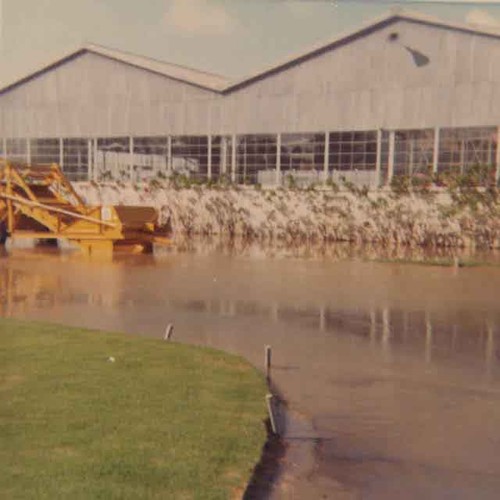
x=394, y=367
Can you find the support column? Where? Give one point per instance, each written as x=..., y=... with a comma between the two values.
x=233, y=158
x=278, y=159
x=61, y=153
x=28, y=151
x=326, y=161
x=94, y=169
x=378, y=164
x=435, y=154
x=131, y=158
x=390, y=165
x=169, y=156
x=4, y=148
x=209, y=159
x=223, y=156
x=89, y=159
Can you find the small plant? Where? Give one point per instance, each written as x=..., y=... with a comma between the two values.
x=400, y=185
x=332, y=185
x=154, y=185
x=290, y=181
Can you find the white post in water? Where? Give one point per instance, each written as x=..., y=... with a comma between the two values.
x=168, y=332
x=269, y=401
x=267, y=361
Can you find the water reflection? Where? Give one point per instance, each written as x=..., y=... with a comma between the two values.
x=435, y=336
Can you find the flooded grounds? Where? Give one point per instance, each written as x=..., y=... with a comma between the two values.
x=391, y=368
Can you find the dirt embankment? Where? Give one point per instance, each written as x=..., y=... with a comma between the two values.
x=430, y=220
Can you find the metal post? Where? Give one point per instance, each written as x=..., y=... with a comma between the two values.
x=269, y=402
x=278, y=159
x=267, y=361
x=435, y=154
x=462, y=156
x=326, y=160
x=131, y=158
x=168, y=332
x=233, y=158
x=209, y=159
x=223, y=156
x=392, y=148
x=169, y=155
x=94, y=170
x=378, y=164
x=61, y=153
x=28, y=151
x=89, y=159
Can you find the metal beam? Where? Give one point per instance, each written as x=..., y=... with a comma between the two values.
x=209, y=159
x=378, y=164
x=278, y=159
x=390, y=165
x=233, y=158
x=326, y=160
x=435, y=153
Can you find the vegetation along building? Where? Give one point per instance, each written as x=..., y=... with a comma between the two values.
x=404, y=94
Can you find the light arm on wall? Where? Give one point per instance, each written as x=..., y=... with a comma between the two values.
x=418, y=57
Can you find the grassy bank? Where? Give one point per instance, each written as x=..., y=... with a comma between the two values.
x=92, y=415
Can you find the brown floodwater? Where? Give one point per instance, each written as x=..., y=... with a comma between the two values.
x=392, y=368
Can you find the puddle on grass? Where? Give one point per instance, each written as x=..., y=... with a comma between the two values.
x=395, y=366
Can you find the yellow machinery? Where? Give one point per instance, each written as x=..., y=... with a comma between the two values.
x=39, y=202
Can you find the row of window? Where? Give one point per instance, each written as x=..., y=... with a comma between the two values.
x=202, y=157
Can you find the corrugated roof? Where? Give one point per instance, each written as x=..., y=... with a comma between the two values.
x=218, y=83
x=183, y=73
x=396, y=14
x=203, y=79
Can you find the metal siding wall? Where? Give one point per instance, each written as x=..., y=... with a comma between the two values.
x=95, y=96
x=374, y=83
x=369, y=83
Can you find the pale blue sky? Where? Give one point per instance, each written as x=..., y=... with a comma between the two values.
x=231, y=37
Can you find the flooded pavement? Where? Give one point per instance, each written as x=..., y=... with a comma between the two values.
x=392, y=369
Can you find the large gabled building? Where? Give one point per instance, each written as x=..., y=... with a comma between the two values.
x=404, y=94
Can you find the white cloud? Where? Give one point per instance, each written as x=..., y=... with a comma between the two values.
x=483, y=18
x=199, y=17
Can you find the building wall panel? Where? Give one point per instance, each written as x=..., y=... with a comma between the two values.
x=95, y=96
x=371, y=82
x=374, y=83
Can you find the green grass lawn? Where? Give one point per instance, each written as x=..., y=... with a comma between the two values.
x=163, y=420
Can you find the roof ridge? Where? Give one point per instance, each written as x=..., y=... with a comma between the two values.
x=393, y=14
x=97, y=46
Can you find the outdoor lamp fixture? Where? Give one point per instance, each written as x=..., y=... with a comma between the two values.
x=419, y=58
